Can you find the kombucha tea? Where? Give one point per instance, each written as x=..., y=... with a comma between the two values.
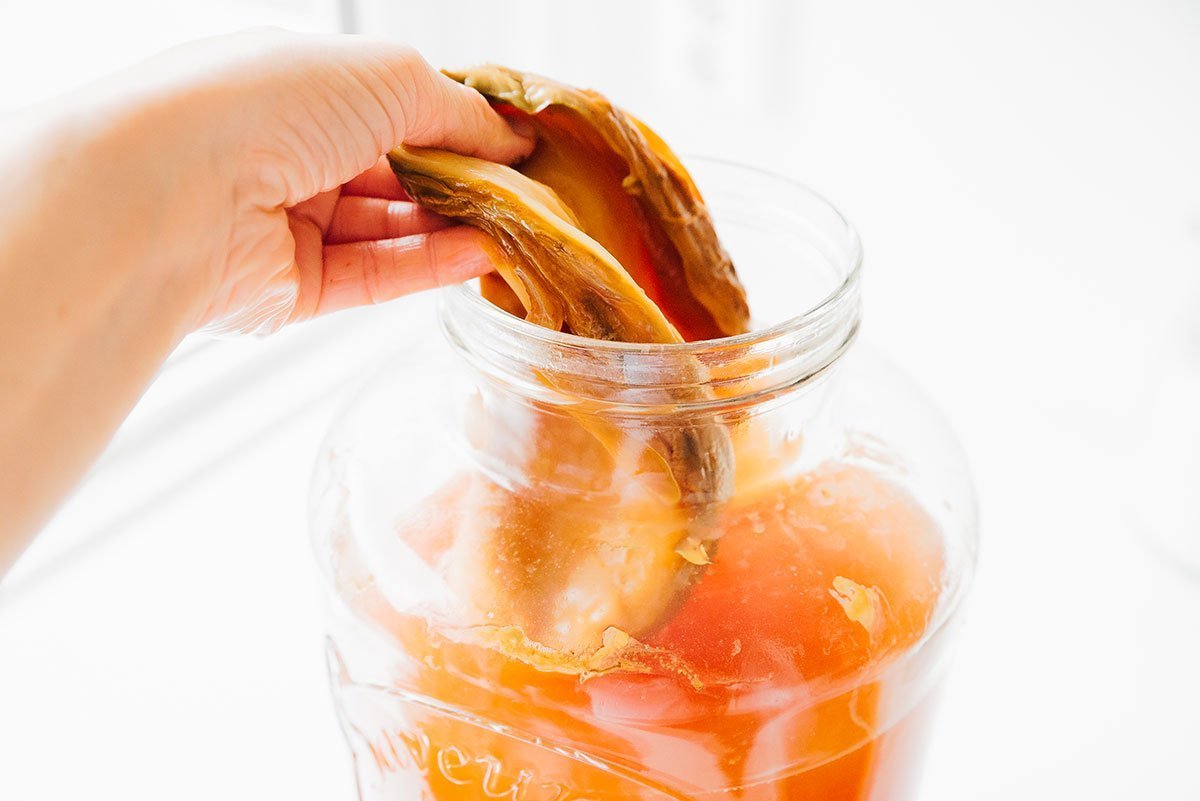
x=800, y=664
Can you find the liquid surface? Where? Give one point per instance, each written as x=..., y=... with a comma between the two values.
x=788, y=669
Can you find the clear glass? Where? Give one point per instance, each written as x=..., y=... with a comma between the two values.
x=512, y=612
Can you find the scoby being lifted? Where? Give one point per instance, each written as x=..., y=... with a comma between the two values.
x=601, y=233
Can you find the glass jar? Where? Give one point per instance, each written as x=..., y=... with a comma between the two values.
x=528, y=602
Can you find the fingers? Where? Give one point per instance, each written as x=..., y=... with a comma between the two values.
x=378, y=181
x=359, y=219
x=374, y=272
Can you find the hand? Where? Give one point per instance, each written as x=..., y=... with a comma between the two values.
x=313, y=220
x=235, y=183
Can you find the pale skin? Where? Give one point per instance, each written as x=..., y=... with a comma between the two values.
x=232, y=184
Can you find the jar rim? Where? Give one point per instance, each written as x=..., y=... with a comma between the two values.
x=846, y=290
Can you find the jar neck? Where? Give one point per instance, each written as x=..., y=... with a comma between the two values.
x=627, y=379
x=800, y=262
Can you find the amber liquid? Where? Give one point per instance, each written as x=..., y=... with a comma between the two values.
x=797, y=667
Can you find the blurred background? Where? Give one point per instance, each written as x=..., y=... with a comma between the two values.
x=1026, y=178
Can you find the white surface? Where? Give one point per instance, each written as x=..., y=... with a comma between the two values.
x=1026, y=179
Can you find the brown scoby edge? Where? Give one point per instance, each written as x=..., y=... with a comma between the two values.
x=685, y=218
x=702, y=453
x=525, y=249
x=699, y=457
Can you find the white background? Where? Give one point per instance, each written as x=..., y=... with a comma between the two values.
x=1026, y=178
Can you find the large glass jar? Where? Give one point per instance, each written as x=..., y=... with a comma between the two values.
x=521, y=607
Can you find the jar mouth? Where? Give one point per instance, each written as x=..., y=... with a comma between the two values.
x=796, y=347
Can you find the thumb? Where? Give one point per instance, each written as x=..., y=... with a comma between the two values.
x=445, y=114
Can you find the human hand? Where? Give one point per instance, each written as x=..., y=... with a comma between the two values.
x=234, y=184
x=305, y=217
